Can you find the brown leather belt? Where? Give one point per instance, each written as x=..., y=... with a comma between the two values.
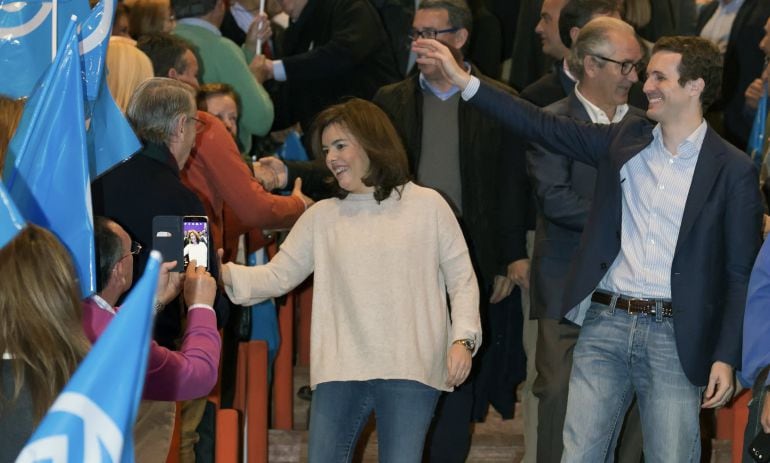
x=634, y=305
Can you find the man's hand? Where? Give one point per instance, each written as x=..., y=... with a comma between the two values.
x=517, y=274
x=297, y=191
x=169, y=283
x=258, y=30
x=265, y=176
x=261, y=68
x=434, y=52
x=720, y=387
x=754, y=93
x=199, y=286
x=458, y=364
x=279, y=169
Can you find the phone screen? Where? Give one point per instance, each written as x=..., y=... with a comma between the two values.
x=195, y=230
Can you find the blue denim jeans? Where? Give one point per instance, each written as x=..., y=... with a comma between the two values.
x=616, y=356
x=403, y=410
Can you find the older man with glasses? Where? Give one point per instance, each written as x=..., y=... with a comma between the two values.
x=606, y=59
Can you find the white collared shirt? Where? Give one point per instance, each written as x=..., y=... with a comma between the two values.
x=104, y=305
x=597, y=115
x=717, y=28
x=655, y=184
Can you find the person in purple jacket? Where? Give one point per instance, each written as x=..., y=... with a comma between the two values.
x=186, y=374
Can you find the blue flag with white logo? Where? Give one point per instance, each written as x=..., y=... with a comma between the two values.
x=92, y=420
x=46, y=170
x=110, y=137
x=94, y=34
x=11, y=221
x=26, y=40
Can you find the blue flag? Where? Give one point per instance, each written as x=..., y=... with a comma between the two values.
x=46, y=170
x=756, y=144
x=26, y=39
x=11, y=221
x=110, y=138
x=95, y=33
x=92, y=420
x=264, y=316
x=292, y=149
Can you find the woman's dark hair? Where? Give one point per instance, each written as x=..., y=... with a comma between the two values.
x=372, y=129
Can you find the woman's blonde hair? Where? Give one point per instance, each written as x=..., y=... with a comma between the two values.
x=42, y=327
x=10, y=115
x=127, y=67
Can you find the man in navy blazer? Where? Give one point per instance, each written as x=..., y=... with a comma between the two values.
x=665, y=255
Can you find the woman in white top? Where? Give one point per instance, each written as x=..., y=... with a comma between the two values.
x=386, y=253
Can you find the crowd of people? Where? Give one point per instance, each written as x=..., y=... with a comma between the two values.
x=584, y=207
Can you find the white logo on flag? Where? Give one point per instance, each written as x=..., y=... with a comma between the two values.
x=98, y=427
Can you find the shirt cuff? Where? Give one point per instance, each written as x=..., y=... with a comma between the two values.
x=279, y=71
x=471, y=88
x=201, y=306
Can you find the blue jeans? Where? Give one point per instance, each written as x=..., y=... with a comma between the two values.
x=339, y=410
x=616, y=356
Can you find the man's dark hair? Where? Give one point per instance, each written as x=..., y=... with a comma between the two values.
x=109, y=250
x=576, y=13
x=700, y=60
x=459, y=13
x=192, y=8
x=166, y=51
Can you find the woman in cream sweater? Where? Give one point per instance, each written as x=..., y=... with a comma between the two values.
x=386, y=253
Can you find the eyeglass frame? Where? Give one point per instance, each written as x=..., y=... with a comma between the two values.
x=135, y=249
x=200, y=124
x=415, y=34
x=627, y=65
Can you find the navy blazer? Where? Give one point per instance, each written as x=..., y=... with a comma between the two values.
x=564, y=191
x=718, y=239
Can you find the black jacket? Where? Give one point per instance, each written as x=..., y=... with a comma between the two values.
x=336, y=48
x=494, y=182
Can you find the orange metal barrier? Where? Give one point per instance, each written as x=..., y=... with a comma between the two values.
x=731, y=423
x=251, y=398
x=228, y=442
x=283, y=371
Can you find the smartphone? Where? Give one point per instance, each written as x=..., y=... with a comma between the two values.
x=195, y=229
x=167, y=238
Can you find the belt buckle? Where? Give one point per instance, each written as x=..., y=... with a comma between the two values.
x=643, y=308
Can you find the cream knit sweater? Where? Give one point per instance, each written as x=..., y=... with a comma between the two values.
x=382, y=272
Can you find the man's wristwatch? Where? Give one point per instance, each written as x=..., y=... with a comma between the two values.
x=469, y=344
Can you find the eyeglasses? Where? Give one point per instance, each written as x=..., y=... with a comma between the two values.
x=199, y=124
x=415, y=34
x=625, y=66
x=136, y=248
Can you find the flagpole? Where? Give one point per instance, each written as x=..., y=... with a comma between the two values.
x=54, y=24
x=259, y=41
